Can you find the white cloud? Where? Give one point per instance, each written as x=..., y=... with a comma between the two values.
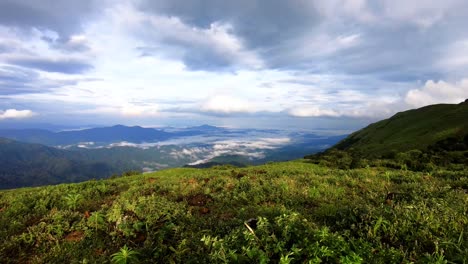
x=128, y=110
x=16, y=114
x=368, y=107
x=432, y=92
x=438, y=92
x=133, y=110
x=253, y=148
x=312, y=111
x=227, y=104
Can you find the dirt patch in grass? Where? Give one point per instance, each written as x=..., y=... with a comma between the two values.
x=204, y=210
x=192, y=181
x=140, y=238
x=75, y=236
x=33, y=221
x=151, y=180
x=99, y=252
x=238, y=174
x=198, y=199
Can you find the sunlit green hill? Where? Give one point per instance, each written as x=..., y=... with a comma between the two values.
x=291, y=212
x=413, y=129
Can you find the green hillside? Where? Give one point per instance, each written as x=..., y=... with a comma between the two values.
x=291, y=212
x=355, y=203
x=24, y=164
x=413, y=129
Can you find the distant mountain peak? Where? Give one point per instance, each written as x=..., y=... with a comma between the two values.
x=124, y=126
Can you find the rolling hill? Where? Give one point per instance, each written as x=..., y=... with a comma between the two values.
x=414, y=129
x=279, y=212
x=102, y=135
x=24, y=164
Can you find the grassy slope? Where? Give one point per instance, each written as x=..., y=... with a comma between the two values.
x=25, y=164
x=413, y=129
x=304, y=212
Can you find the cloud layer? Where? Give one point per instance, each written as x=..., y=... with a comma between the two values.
x=173, y=61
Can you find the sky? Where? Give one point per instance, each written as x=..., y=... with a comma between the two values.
x=247, y=63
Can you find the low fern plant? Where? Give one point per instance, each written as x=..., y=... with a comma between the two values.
x=72, y=200
x=125, y=256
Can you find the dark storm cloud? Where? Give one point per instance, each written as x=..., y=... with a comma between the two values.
x=68, y=66
x=63, y=17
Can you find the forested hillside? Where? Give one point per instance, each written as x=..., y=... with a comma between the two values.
x=23, y=164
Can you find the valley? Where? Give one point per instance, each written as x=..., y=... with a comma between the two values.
x=340, y=205
x=119, y=149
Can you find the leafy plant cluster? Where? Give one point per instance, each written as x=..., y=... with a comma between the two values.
x=290, y=212
x=450, y=154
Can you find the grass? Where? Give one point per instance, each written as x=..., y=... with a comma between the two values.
x=413, y=129
x=289, y=212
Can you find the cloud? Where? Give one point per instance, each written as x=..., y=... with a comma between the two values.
x=66, y=65
x=74, y=43
x=210, y=60
x=16, y=114
x=384, y=38
x=312, y=111
x=249, y=28
x=127, y=110
x=438, y=92
x=132, y=110
x=253, y=148
x=432, y=92
x=214, y=48
x=63, y=17
x=16, y=80
x=226, y=104
x=454, y=58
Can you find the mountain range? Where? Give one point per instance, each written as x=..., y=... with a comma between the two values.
x=382, y=207
x=101, y=135
x=46, y=157
x=102, y=152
